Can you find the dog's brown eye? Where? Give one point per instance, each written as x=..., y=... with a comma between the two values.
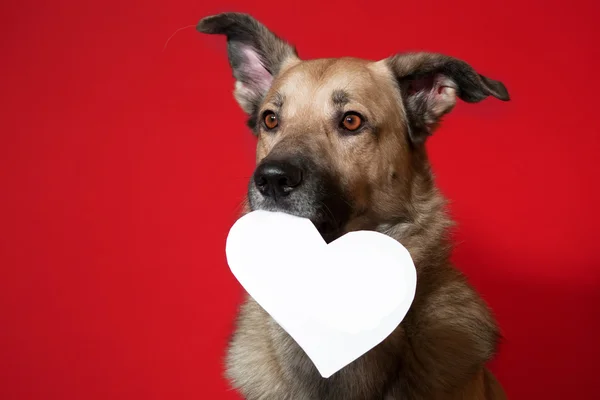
x=271, y=121
x=352, y=121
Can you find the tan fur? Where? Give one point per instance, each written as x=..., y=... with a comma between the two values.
x=440, y=349
x=452, y=323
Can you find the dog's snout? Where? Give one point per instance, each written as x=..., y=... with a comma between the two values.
x=277, y=178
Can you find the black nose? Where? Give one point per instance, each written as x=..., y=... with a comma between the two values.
x=277, y=178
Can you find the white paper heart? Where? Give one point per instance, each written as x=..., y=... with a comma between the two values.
x=337, y=300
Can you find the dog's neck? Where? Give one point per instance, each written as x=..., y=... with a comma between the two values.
x=424, y=230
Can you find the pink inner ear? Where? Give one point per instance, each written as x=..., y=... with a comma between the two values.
x=258, y=77
x=438, y=87
x=436, y=93
x=423, y=84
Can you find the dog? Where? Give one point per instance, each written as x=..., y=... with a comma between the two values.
x=342, y=142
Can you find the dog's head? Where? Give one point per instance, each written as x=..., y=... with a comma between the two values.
x=340, y=141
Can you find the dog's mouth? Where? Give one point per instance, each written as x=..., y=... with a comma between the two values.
x=314, y=195
x=329, y=229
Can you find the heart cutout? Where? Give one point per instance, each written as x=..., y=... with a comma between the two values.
x=336, y=300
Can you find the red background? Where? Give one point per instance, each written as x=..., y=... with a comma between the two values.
x=123, y=164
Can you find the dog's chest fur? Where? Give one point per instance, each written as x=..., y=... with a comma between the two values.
x=266, y=363
x=445, y=339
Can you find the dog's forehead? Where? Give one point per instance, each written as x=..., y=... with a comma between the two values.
x=318, y=81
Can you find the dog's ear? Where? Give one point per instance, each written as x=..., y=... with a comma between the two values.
x=255, y=54
x=430, y=83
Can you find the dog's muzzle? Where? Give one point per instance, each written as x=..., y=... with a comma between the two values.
x=297, y=186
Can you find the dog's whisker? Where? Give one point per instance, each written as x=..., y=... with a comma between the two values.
x=330, y=213
x=242, y=204
x=344, y=200
x=175, y=33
